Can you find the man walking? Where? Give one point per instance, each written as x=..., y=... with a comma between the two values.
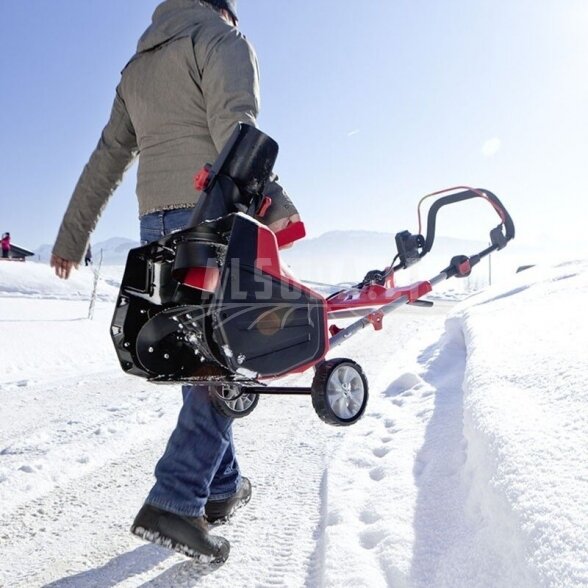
x=88, y=256
x=193, y=78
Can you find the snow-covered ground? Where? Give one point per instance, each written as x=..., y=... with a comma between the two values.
x=470, y=467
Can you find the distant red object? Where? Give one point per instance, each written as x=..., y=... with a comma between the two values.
x=13, y=252
x=6, y=245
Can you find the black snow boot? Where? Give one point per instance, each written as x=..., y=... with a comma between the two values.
x=186, y=535
x=220, y=511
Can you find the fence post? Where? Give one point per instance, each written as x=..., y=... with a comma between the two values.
x=94, y=288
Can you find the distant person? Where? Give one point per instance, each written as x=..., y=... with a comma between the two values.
x=88, y=256
x=6, y=245
x=193, y=78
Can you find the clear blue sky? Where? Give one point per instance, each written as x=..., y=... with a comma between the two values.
x=373, y=103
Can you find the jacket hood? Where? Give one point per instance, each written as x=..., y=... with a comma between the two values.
x=173, y=18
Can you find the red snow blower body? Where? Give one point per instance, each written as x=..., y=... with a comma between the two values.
x=213, y=305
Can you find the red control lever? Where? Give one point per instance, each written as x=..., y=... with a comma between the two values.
x=291, y=233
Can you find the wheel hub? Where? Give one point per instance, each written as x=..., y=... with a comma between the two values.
x=345, y=391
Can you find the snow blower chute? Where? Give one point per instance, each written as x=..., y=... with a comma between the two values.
x=213, y=305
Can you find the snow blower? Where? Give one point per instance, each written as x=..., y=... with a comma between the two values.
x=213, y=305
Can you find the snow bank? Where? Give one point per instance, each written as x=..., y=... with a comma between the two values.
x=44, y=319
x=526, y=427
x=37, y=280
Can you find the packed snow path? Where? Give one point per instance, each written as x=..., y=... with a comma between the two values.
x=442, y=483
x=88, y=445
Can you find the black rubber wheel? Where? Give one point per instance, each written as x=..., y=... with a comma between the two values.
x=339, y=392
x=233, y=403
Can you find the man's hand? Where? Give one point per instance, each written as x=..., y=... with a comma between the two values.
x=282, y=224
x=62, y=266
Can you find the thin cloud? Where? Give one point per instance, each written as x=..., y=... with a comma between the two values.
x=354, y=132
x=491, y=147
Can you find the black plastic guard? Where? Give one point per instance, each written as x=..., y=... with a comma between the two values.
x=238, y=176
x=264, y=325
x=153, y=333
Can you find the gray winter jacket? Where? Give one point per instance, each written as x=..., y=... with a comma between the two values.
x=193, y=78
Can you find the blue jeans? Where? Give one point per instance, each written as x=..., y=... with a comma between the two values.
x=199, y=462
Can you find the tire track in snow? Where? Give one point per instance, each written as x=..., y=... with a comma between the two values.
x=44, y=403
x=91, y=425
x=77, y=535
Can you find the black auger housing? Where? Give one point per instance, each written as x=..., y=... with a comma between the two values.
x=209, y=303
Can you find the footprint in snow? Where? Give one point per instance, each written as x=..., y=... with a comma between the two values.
x=369, y=517
x=371, y=539
x=377, y=474
x=104, y=430
x=391, y=428
x=381, y=451
x=403, y=384
x=334, y=518
x=27, y=469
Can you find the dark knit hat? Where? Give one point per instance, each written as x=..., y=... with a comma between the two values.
x=230, y=5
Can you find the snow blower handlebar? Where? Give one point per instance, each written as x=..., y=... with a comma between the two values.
x=498, y=238
x=460, y=266
x=412, y=248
